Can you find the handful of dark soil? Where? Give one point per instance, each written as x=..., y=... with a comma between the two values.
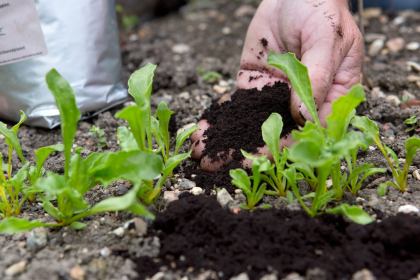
x=237, y=123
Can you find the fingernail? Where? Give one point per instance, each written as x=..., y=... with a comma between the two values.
x=304, y=113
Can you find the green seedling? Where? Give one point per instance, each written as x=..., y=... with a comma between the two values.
x=210, y=77
x=99, y=135
x=143, y=125
x=412, y=145
x=254, y=192
x=82, y=175
x=412, y=124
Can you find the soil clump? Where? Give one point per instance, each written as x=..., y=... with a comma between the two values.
x=196, y=232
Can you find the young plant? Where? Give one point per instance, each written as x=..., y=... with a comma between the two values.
x=99, y=135
x=210, y=77
x=254, y=192
x=412, y=124
x=412, y=145
x=82, y=175
x=143, y=125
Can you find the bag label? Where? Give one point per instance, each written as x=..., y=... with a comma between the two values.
x=21, y=37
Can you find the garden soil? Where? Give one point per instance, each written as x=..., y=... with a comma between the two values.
x=210, y=35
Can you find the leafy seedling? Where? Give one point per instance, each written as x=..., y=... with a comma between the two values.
x=210, y=77
x=412, y=145
x=99, y=135
x=145, y=128
x=254, y=192
x=412, y=124
x=82, y=175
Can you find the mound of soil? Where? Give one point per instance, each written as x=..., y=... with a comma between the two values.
x=196, y=232
x=236, y=124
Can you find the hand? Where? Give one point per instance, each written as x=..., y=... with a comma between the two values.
x=322, y=34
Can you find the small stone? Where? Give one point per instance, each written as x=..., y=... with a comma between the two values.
x=106, y=252
x=316, y=274
x=123, y=189
x=226, y=30
x=363, y=274
x=409, y=95
x=224, y=198
x=413, y=78
x=77, y=273
x=412, y=46
x=165, y=98
x=225, y=97
x=394, y=99
x=271, y=276
x=376, y=47
x=414, y=65
x=196, y=191
x=369, y=13
x=170, y=196
x=223, y=83
x=370, y=37
x=141, y=226
x=293, y=276
x=238, y=191
x=416, y=175
x=329, y=183
x=119, y=232
x=398, y=20
x=185, y=95
x=377, y=93
x=408, y=209
x=242, y=276
x=2, y=137
x=36, y=240
x=180, y=48
x=360, y=200
x=185, y=127
x=219, y=89
x=186, y=185
x=15, y=269
x=395, y=45
x=244, y=10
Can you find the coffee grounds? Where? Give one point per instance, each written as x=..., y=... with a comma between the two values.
x=237, y=123
x=258, y=243
x=218, y=179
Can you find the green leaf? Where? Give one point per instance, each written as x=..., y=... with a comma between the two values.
x=411, y=120
x=342, y=111
x=11, y=140
x=393, y=155
x=241, y=176
x=354, y=213
x=14, y=225
x=136, y=119
x=15, y=128
x=366, y=125
x=299, y=78
x=140, y=85
x=309, y=131
x=43, y=153
x=49, y=208
x=127, y=140
x=260, y=193
x=20, y=177
x=382, y=188
x=133, y=166
x=412, y=145
x=158, y=135
x=323, y=199
x=182, y=136
x=306, y=151
x=164, y=115
x=271, y=131
x=78, y=174
x=174, y=162
x=77, y=225
x=69, y=113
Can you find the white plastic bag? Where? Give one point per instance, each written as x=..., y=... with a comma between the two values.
x=82, y=41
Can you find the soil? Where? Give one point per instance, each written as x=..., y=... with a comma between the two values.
x=197, y=232
x=213, y=33
x=236, y=124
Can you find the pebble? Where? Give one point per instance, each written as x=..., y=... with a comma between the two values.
x=271, y=276
x=106, y=252
x=165, y=98
x=226, y=30
x=395, y=45
x=370, y=37
x=376, y=47
x=363, y=274
x=185, y=127
x=413, y=78
x=393, y=98
x=77, y=273
x=408, y=209
x=196, y=190
x=238, y=191
x=15, y=269
x=119, y=232
x=141, y=226
x=36, y=240
x=293, y=276
x=244, y=10
x=372, y=13
x=2, y=137
x=416, y=175
x=170, y=196
x=242, y=276
x=329, y=183
x=398, y=20
x=186, y=185
x=360, y=200
x=185, y=95
x=412, y=46
x=225, y=97
x=409, y=95
x=224, y=198
x=220, y=89
x=180, y=48
x=412, y=64
x=377, y=93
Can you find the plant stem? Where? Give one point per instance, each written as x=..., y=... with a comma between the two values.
x=9, y=167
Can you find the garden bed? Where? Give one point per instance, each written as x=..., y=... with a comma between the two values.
x=114, y=246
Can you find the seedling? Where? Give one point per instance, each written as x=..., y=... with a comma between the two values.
x=99, y=135
x=412, y=145
x=143, y=125
x=210, y=77
x=82, y=175
x=254, y=192
x=412, y=124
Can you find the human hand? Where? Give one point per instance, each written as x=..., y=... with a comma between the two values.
x=322, y=34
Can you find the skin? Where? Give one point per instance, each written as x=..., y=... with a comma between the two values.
x=324, y=37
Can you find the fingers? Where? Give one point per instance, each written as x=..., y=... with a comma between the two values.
x=209, y=165
x=202, y=126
